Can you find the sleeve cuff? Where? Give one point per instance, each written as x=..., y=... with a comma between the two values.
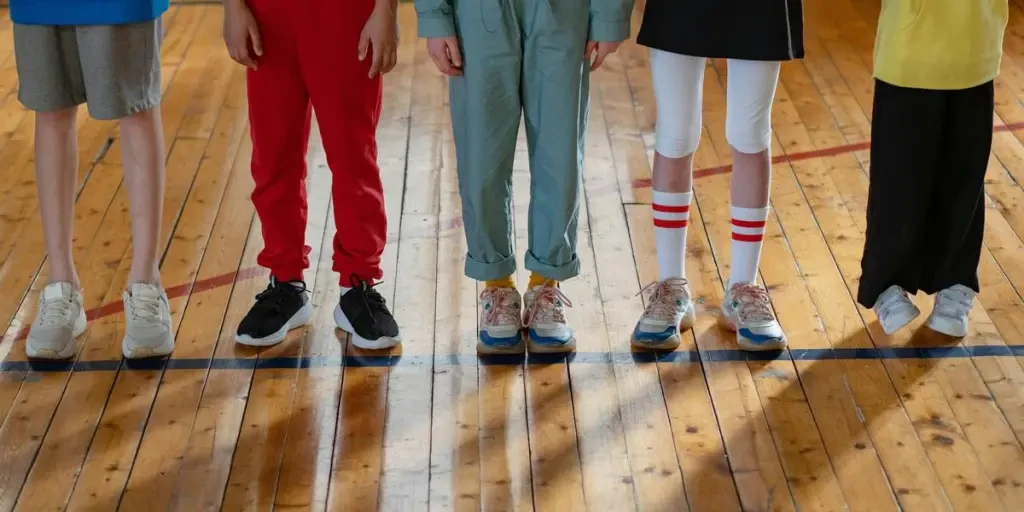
x=440, y=25
x=608, y=31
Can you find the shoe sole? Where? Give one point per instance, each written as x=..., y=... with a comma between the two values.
x=542, y=348
x=301, y=318
x=672, y=342
x=487, y=350
x=744, y=344
x=381, y=343
x=952, y=329
x=144, y=352
x=67, y=352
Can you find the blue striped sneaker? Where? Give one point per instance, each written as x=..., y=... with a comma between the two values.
x=548, y=333
x=669, y=314
x=500, y=322
x=747, y=311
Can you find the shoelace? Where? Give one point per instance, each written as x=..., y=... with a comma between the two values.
x=271, y=297
x=145, y=308
x=954, y=301
x=54, y=311
x=545, y=306
x=503, y=310
x=664, y=298
x=373, y=301
x=754, y=303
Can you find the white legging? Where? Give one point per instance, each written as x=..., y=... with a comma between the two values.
x=679, y=88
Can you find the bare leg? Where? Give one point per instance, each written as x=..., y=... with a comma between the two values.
x=56, y=153
x=144, y=172
x=751, y=179
x=673, y=174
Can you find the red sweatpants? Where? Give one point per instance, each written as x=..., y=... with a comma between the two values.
x=310, y=63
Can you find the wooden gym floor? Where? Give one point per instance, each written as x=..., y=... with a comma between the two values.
x=847, y=419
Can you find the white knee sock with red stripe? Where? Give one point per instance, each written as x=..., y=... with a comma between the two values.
x=748, y=225
x=671, y=218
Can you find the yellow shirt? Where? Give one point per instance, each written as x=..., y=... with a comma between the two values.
x=940, y=44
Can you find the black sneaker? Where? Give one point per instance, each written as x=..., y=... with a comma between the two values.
x=363, y=313
x=278, y=309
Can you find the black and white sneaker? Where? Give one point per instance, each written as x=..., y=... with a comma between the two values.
x=278, y=309
x=363, y=313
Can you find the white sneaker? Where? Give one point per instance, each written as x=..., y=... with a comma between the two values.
x=147, y=331
x=501, y=320
x=951, y=308
x=747, y=311
x=59, y=320
x=669, y=314
x=545, y=317
x=894, y=309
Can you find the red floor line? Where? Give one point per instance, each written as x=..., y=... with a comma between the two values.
x=225, y=279
x=804, y=155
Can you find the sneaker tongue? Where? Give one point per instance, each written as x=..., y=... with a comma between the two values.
x=56, y=291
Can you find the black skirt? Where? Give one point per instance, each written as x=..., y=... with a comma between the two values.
x=766, y=30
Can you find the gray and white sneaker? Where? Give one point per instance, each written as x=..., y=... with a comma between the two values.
x=147, y=315
x=894, y=309
x=59, y=320
x=951, y=308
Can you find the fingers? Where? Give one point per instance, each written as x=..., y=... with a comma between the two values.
x=390, y=60
x=257, y=42
x=378, y=56
x=364, y=43
x=589, y=50
x=240, y=53
x=598, y=58
x=453, y=52
x=443, y=64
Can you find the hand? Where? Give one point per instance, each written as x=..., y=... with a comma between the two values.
x=597, y=51
x=240, y=29
x=445, y=52
x=381, y=34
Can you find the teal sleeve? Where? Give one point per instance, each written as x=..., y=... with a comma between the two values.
x=435, y=18
x=609, y=20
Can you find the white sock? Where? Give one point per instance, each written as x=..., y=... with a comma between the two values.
x=748, y=225
x=671, y=218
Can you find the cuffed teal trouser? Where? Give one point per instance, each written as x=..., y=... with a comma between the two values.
x=521, y=58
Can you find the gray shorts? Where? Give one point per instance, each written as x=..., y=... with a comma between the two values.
x=115, y=69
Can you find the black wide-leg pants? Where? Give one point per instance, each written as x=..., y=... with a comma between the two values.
x=926, y=206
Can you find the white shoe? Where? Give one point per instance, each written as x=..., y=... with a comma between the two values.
x=548, y=333
x=669, y=314
x=501, y=320
x=894, y=309
x=147, y=331
x=951, y=308
x=747, y=311
x=59, y=320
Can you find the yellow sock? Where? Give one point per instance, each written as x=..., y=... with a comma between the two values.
x=537, y=280
x=501, y=283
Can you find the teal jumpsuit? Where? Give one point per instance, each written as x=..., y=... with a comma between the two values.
x=522, y=58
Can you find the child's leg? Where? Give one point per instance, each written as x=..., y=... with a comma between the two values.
x=347, y=105
x=906, y=134
x=678, y=89
x=279, y=124
x=121, y=66
x=958, y=206
x=53, y=87
x=746, y=307
x=749, y=96
x=56, y=154
x=556, y=88
x=485, y=111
